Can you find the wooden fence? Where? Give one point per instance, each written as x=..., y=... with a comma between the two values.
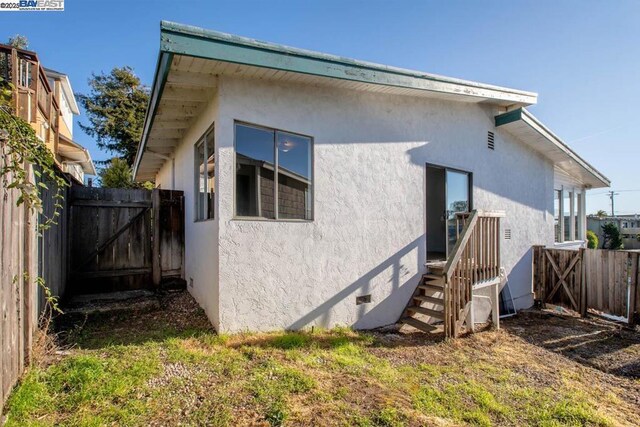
x=602, y=280
x=123, y=239
x=18, y=246
x=53, y=244
x=104, y=240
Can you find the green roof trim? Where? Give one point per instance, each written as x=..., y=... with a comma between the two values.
x=179, y=39
x=508, y=117
x=162, y=71
x=193, y=41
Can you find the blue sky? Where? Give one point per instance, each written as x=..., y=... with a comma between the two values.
x=582, y=57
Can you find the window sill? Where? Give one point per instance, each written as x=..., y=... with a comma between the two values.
x=202, y=220
x=259, y=219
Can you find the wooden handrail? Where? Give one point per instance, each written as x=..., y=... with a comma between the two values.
x=467, y=231
x=474, y=258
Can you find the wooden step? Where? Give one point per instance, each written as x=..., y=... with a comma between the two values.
x=430, y=299
x=427, y=311
x=418, y=324
x=431, y=276
x=436, y=268
x=434, y=287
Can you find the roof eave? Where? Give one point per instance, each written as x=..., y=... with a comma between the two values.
x=66, y=87
x=160, y=79
x=193, y=41
x=178, y=39
x=528, y=118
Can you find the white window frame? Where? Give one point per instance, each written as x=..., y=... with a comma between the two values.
x=208, y=216
x=576, y=208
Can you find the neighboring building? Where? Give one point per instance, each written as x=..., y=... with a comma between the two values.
x=318, y=187
x=44, y=98
x=629, y=226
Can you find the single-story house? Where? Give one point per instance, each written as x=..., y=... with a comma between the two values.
x=319, y=188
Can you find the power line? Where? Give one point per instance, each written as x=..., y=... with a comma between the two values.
x=617, y=191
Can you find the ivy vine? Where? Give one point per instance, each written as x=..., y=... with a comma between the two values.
x=20, y=151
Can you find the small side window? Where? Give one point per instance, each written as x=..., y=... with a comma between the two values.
x=205, y=177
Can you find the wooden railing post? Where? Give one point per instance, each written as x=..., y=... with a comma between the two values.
x=474, y=258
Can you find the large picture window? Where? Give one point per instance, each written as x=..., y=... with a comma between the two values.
x=205, y=176
x=273, y=173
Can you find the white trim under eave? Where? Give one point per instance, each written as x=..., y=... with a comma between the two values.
x=534, y=123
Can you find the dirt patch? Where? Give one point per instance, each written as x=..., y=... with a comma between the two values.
x=607, y=346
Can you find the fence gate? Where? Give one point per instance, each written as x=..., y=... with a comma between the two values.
x=559, y=276
x=122, y=239
x=603, y=280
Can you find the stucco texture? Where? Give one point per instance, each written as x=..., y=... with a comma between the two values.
x=368, y=232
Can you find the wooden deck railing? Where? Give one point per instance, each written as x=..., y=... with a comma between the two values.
x=33, y=98
x=475, y=259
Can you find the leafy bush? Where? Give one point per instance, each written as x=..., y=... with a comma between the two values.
x=592, y=240
x=612, y=239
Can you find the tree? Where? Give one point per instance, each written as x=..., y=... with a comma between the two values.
x=601, y=214
x=18, y=41
x=116, y=108
x=611, y=236
x=592, y=240
x=116, y=175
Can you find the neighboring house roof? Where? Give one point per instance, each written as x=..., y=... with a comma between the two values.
x=76, y=153
x=66, y=87
x=524, y=126
x=191, y=58
x=615, y=218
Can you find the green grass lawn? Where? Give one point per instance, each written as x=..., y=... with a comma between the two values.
x=170, y=368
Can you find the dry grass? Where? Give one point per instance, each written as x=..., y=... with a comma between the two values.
x=169, y=368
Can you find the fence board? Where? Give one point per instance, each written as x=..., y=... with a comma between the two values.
x=52, y=245
x=603, y=280
x=119, y=247
x=18, y=254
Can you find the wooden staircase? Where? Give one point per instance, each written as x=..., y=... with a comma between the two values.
x=443, y=300
x=426, y=306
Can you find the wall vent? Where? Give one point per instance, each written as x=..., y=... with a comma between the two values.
x=507, y=234
x=491, y=141
x=363, y=299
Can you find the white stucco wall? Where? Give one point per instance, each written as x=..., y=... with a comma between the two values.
x=201, y=238
x=368, y=235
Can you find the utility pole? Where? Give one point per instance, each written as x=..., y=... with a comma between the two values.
x=612, y=194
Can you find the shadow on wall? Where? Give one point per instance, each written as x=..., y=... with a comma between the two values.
x=387, y=311
x=507, y=179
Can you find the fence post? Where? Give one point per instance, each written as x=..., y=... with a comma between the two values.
x=538, y=274
x=634, y=288
x=155, y=250
x=584, y=285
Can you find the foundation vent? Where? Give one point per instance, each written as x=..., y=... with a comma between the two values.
x=507, y=234
x=363, y=299
x=491, y=141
